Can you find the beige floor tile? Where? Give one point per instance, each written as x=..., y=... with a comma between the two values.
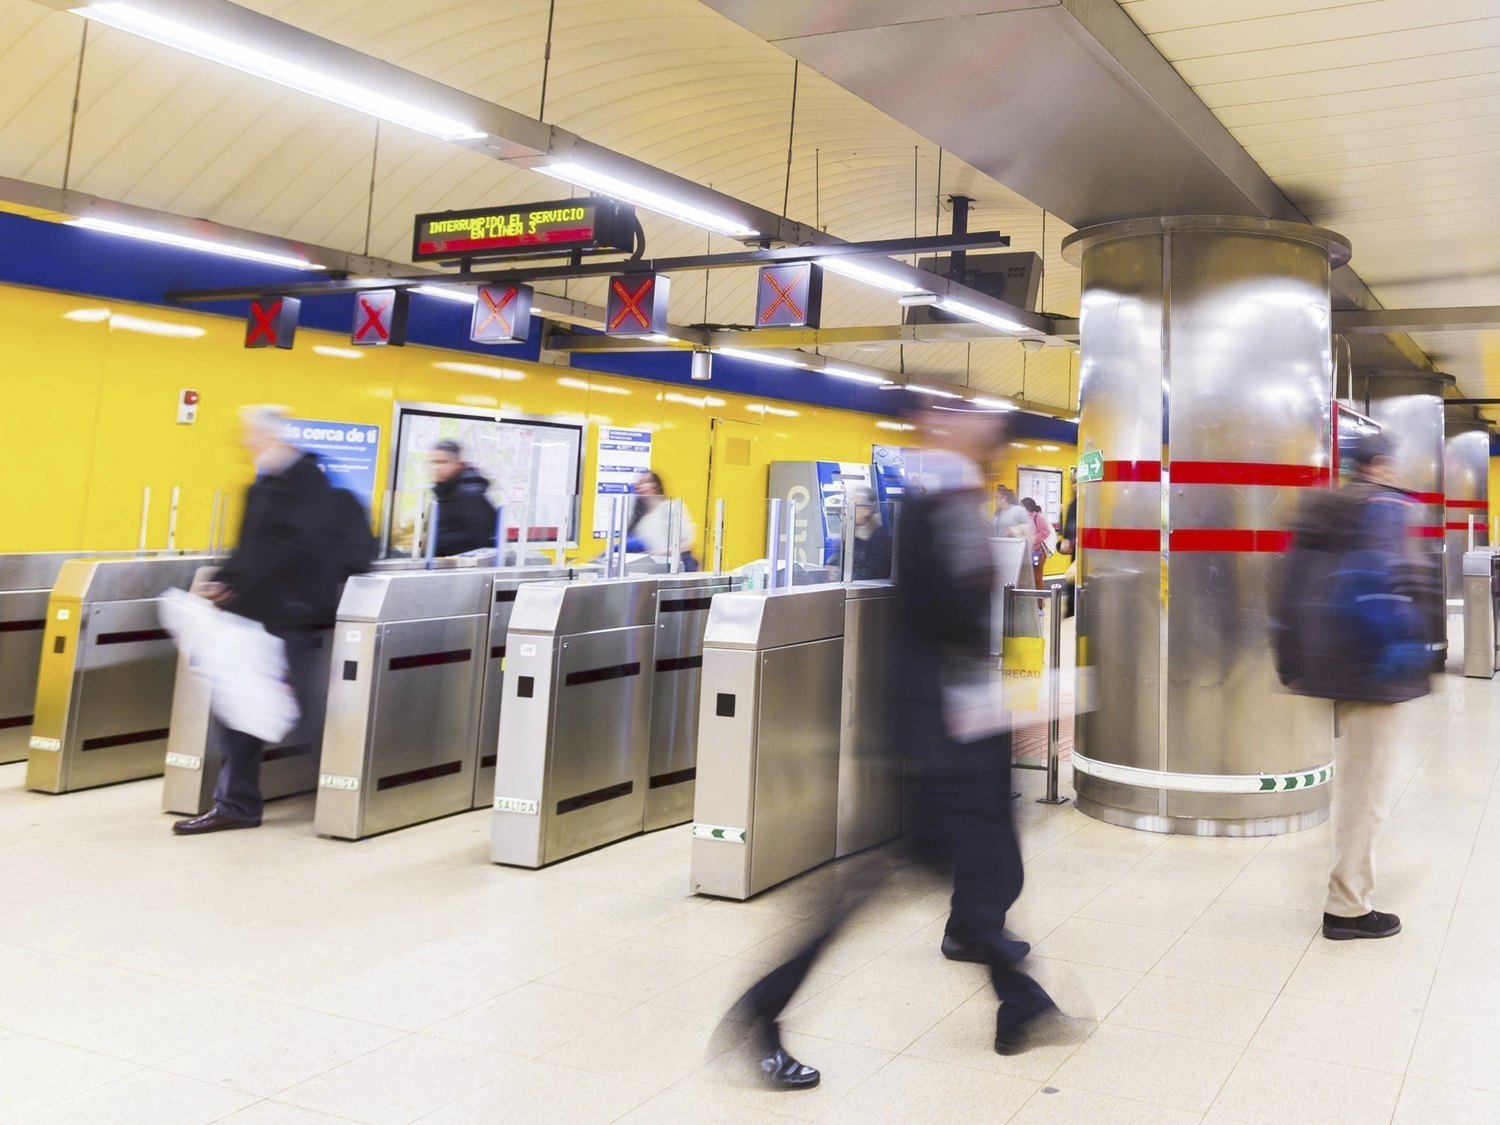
x=1053, y=1105
x=1428, y=1103
x=676, y=1107
x=1465, y=998
x=1109, y=944
x=1238, y=964
x=176, y=1019
x=530, y=1020
x=1339, y=1033
x=1274, y=1088
x=1143, y=906
x=269, y=1111
x=1161, y=1069
x=913, y=1089
x=918, y=964
x=1259, y=925
x=411, y=995
x=870, y=1014
x=1292, y=881
x=517, y=949
x=723, y=929
x=1054, y=894
x=620, y=915
x=664, y=1043
x=966, y=1037
x=730, y=1078
x=1458, y=1054
x=402, y=1081
x=23, y=967
x=1424, y=933
x=1365, y=984
x=712, y=993
x=282, y=1053
x=632, y=971
x=54, y=1008
x=851, y=948
x=1062, y=864
x=147, y=1097
x=1213, y=1012
x=542, y=1092
x=1081, y=991
x=36, y=1072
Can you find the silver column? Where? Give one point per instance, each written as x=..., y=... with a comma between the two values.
x=1466, y=460
x=1206, y=382
x=1409, y=407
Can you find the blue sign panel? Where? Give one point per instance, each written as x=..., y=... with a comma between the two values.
x=347, y=450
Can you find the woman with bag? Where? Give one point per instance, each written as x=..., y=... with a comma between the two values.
x=1041, y=539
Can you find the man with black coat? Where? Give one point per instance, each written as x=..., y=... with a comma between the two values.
x=465, y=517
x=285, y=573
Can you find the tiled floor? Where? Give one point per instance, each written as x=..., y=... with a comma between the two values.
x=272, y=976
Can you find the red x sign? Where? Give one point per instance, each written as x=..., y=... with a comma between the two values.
x=271, y=322
x=783, y=297
x=501, y=315
x=789, y=296
x=637, y=305
x=379, y=318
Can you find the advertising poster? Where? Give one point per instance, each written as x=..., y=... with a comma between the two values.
x=348, y=452
x=623, y=456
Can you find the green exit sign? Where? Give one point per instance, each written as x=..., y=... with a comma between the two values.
x=1091, y=467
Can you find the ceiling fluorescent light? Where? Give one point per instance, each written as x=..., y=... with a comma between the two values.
x=933, y=391
x=339, y=353
x=581, y=175
x=912, y=300
x=855, y=272
x=857, y=376
x=170, y=33
x=987, y=403
x=980, y=316
x=459, y=296
x=760, y=357
x=185, y=242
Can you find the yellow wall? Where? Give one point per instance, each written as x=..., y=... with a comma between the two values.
x=87, y=417
x=1037, y=454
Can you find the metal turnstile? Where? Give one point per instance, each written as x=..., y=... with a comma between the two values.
x=1481, y=588
x=400, y=733
x=104, y=688
x=871, y=775
x=575, y=728
x=766, y=808
x=682, y=611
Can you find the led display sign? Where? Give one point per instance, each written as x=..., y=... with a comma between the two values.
x=529, y=229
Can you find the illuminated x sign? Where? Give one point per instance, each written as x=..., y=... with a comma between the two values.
x=502, y=315
x=272, y=322
x=379, y=318
x=637, y=305
x=789, y=296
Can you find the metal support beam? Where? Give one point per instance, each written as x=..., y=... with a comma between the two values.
x=1472, y=318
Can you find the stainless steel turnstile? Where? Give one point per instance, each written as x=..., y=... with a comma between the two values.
x=768, y=739
x=1481, y=573
x=411, y=652
x=104, y=689
x=682, y=611
x=575, y=727
x=871, y=775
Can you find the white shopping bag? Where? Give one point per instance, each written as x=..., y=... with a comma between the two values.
x=245, y=666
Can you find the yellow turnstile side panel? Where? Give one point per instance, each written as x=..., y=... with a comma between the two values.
x=516, y=829
x=45, y=768
x=724, y=800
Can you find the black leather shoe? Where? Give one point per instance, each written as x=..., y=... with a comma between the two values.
x=1013, y=1023
x=212, y=821
x=1013, y=951
x=779, y=1071
x=1371, y=925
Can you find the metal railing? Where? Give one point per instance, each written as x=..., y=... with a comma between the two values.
x=1054, y=596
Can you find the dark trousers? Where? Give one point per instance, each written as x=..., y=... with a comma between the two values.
x=964, y=827
x=237, y=792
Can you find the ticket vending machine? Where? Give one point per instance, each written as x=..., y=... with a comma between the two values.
x=816, y=491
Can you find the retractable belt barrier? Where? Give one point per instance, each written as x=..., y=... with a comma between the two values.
x=1022, y=659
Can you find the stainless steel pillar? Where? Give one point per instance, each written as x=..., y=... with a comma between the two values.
x=1206, y=381
x=1409, y=407
x=1466, y=458
x=1481, y=586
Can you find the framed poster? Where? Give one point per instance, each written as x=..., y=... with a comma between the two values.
x=1045, y=486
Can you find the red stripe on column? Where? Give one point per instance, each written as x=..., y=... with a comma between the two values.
x=1230, y=540
x=1480, y=526
x=1476, y=505
x=1119, y=539
x=1250, y=474
x=1425, y=532
x=1427, y=497
x=1131, y=471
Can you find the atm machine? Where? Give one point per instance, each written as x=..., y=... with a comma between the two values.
x=105, y=681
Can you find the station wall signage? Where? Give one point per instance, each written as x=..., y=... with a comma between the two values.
x=379, y=318
x=789, y=296
x=502, y=315
x=590, y=223
x=637, y=305
x=272, y=322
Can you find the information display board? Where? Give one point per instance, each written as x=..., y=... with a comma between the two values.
x=623, y=456
x=532, y=466
x=1045, y=486
x=346, y=450
x=591, y=223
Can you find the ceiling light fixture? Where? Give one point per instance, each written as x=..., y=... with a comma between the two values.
x=987, y=403
x=170, y=33
x=761, y=357
x=458, y=296
x=912, y=300
x=980, y=316
x=581, y=175
x=856, y=272
x=186, y=242
x=932, y=391
x=856, y=376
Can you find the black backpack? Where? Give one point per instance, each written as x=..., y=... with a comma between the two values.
x=347, y=529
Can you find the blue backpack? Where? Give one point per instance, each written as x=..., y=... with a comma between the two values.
x=1384, y=627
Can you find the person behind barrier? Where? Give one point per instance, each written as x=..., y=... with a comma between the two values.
x=285, y=573
x=951, y=728
x=1067, y=544
x=466, y=519
x=1041, y=538
x=1010, y=517
x=1346, y=627
x=872, y=542
x=650, y=527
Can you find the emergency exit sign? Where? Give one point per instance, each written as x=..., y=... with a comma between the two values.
x=1091, y=467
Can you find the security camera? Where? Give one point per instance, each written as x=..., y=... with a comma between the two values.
x=1033, y=345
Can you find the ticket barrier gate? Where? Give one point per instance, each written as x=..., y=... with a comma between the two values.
x=411, y=658
x=26, y=582
x=105, y=680
x=1481, y=574
x=682, y=611
x=871, y=771
x=767, y=799
x=574, y=731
